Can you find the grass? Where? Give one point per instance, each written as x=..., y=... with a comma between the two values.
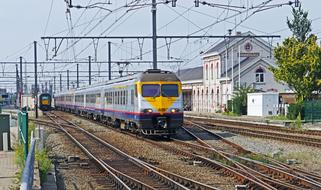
x=19, y=159
x=41, y=156
x=278, y=117
x=299, y=156
x=221, y=160
x=230, y=114
x=44, y=164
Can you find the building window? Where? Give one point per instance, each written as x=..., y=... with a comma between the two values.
x=206, y=72
x=259, y=75
x=212, y=71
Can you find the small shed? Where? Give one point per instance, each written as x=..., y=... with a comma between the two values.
x=262, y=104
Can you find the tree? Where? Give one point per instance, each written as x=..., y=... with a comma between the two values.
x=239, y=100
x=300, y=25
x=298, y=64
x=298, y=58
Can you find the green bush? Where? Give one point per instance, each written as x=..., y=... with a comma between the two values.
x=44, y=164
x=229, y=105
x=294, y=110
x=237, y=106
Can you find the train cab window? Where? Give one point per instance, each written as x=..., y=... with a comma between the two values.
x=150, y=90
x=170, y=90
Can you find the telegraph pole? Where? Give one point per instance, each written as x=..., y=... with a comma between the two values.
x=154, y=37
x=36, y=77
x=109, y=60
x=60, y=82
x=77, y=75
x=21, y=83
x=67, y=79
x=89, y=69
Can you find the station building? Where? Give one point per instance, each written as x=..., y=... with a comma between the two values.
x=232, y=63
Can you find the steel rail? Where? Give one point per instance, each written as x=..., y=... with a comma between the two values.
x=151, y=172
x=180, y=179
x=116, y=180
x=248, y=131
x=261, y=126
x=222, y=155
x=228, y=171
x=266, y=169
x=308, y=175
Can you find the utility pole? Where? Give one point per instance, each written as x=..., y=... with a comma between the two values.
x=89, y=69
x=109, y=60
x=154, y=34
x=54, y=84
x=36, y=77
x=60, y=82
x=17, y=86
x=77, y=75
x=67, y=79
x=21, y=83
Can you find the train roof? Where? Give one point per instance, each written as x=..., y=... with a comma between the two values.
x=146, y=76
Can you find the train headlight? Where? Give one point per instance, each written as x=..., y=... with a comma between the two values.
x=149, y=110
x=174, y=110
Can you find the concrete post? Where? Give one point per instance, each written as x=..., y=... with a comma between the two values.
x=5, y=142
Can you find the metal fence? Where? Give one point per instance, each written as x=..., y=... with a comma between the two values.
x=27, y=176
x=312, y=111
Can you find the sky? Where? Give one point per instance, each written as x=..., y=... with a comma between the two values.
x=25, y=21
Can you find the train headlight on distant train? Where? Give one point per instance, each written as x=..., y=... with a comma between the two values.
x=174, y=110
x=149, y=110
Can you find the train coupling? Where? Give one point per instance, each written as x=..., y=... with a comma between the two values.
x=162, y=122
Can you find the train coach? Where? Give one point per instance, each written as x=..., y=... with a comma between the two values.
x=149, y=103
x=45, y=100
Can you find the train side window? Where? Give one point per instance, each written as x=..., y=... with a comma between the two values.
x=136, y=90
x=120, y=97
x=112, y=97
x=117, y=97
x=123, y=97
x=132, y=97
x=126, y=97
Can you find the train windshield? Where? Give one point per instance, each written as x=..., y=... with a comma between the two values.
x=45, y=98
x=169, y=90
x=150, y=90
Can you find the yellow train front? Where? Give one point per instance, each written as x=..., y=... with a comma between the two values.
x=45, y=102
x=160, y=103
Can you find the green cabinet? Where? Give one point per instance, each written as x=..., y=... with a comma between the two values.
x=4, y=128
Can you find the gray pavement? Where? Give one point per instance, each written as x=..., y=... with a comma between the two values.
x=8, y=169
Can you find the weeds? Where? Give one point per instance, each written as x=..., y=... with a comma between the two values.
x=44, y=164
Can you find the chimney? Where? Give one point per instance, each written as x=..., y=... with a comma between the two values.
x=238, y=33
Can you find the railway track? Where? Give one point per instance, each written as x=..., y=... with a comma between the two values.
x=125, y=171
x=275, y=173
x=240, y=176
x=223, y=169
x=308, y=138
x=240, y=171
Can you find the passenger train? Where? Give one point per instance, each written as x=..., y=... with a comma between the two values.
x=45, y=102
x=149, y=103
